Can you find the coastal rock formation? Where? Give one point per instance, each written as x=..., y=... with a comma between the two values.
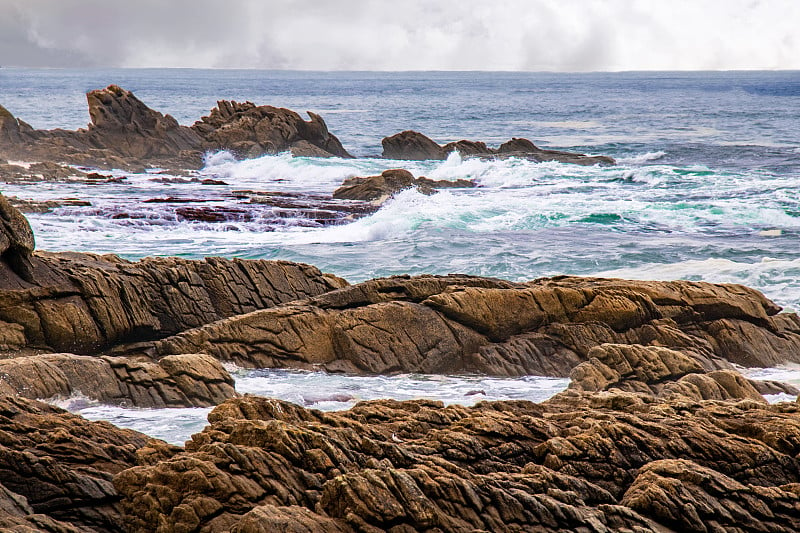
x=578, y=462
x=378, y=188
x=188, y=380
x=252, y=131
x=412, y=145
x=56, y=468
x=124, y=133
x=84, y=303
x=463, y=324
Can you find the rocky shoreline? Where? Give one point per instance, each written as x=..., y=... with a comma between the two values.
x=657, y=431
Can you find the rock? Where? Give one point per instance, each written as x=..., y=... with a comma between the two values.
x=45, y=206
x=578, y=462
x=84, y=303
x=378, y=188
x=251, y=130
x=659, y=371
x=187, y=380
x=411, y=145
x=58, y=468
x=416, y=146
x=485, y=326
x=126, y=134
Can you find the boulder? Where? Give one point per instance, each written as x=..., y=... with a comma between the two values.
x=411, y=145
x=416, y=146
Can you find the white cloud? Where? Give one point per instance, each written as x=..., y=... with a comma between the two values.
x=559, y=35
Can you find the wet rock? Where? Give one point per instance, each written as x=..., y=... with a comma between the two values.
x=187, y=380
x=45, y=206
x=581, y=461
x=378, y=188
x=475, y=325
x=416, y=146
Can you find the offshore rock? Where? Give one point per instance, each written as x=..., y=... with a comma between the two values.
x=56, y=468
x=124, y=133
x=412, y=145
x=462, y=324
x=379, y=188
x=252, y=131
x=610, y=461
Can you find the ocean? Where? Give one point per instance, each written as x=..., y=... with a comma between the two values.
x=707, y=187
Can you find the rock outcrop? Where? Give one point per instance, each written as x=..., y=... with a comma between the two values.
x=463, y=324
x=412, y=145
x=251, y=131
x=56, y=468
x=377, y=189
x=188, y=380
x=610, y=461
x=124, y=133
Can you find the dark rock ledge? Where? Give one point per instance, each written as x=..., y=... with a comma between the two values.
x=657, y=431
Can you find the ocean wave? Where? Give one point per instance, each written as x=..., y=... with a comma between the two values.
x=640, y=159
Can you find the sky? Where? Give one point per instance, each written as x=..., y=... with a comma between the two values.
x=526, y=35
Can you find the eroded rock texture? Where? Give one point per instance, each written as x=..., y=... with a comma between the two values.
x=56, y=469
x=125, y=133
x=412, y=145
x=458, y=324
x=377, y=189
x=253, y=131
x=580, y=462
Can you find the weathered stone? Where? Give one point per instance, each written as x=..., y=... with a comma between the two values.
x=578, y=462
x=411, y=145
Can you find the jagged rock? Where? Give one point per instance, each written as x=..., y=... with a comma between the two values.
x=84, y=303
x=660, y=371
x=378, y=188
x=125, y=133
x=256, y=130
x=195, y=380
x=416, y=146
x=578, y=462
x=411, y=145
x=480, y=325
x=62, y=465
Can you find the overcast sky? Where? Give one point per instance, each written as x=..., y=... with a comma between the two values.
x=555, y=35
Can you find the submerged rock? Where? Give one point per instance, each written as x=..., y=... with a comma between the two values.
x=413, y=145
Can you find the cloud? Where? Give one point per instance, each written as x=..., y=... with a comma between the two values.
x=556, y=35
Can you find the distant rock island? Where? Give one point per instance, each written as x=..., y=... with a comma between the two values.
x=126, y=134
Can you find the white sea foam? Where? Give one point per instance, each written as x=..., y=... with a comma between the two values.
x=640, y=159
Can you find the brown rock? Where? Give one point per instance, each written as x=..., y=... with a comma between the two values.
x=416, y=146
x=411, y=145
x=544, y=327
x=59, y=467
x=579, y=462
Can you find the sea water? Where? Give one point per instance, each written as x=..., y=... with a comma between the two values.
x=707, y=186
